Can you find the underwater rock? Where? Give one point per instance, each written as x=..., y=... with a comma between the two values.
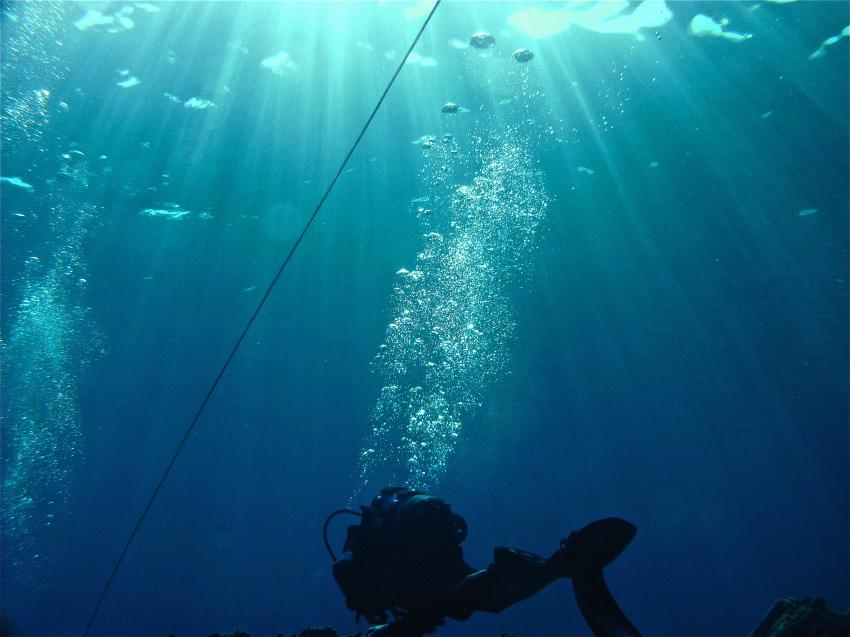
x=790, y=617
x=482, y=40
x=318, y=631
x=523, y=55
x=798, y=617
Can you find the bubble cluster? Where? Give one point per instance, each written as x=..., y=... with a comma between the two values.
x=30, y=67
x=453, y=314
x=50, y=341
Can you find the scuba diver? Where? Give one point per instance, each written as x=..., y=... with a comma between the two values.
x=404, y=558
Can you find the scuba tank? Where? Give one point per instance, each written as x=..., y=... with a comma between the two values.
x=377, y=571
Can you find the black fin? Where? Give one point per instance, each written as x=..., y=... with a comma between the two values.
x=597, y=606
x=597, y=545
x=600, y=542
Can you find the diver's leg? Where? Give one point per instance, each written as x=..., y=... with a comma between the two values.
x=513, y=576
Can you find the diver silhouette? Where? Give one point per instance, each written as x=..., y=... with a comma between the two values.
x=404, y=558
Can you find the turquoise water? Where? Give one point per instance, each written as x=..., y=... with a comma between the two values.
x=613, y=282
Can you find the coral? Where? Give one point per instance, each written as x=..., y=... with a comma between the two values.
x=803, y=617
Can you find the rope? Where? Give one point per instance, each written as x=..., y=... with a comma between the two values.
x=247, y=327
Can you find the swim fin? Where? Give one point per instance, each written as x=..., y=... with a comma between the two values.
x=595, y=546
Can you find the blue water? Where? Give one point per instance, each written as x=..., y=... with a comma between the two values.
x=638, y=305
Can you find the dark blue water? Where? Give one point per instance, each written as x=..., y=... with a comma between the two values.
x=679, y=355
